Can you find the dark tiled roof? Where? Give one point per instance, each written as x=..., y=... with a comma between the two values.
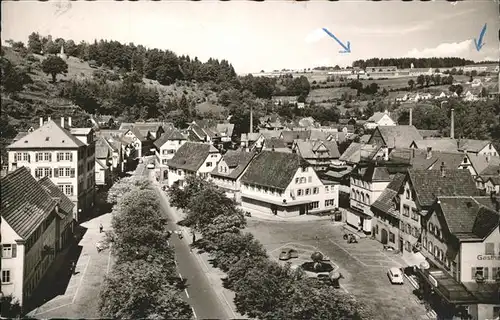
x=101, y=148
x=65, y=203
x=480, y=162
x=273, y=169
x=398, y=136
x=350, y=153
x=169, y=134
x=442, y=144
x=275, y=143
x=19, y=136
x=372, y=173
x=190, y=156
x=472, y=145
x=310, y=149
x=236, y=160
x=428, y=184
x=430, y=133
x=466, y=215
x=25, y=203
x=385, y=202
x=491, y=170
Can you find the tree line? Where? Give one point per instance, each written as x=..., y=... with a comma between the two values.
x=143, y=283
x=263, y=288
x=405, y=63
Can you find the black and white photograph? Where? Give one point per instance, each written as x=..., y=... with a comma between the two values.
x=267, y=160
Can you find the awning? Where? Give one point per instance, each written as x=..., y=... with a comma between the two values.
x=413, y=259
x=359, y=213
x=447, y=287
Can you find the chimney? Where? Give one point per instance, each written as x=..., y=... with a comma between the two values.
x=452, y=126
x=429, y=153
x=41, y=121
x=442, y=169
x=251, y=119
x=69, y=122
x=62, y=122
x=411, y=117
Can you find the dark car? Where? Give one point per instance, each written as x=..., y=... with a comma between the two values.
x=288, y=254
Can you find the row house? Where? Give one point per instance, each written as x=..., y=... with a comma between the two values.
x=140, y=141
x=318, y=154
x=152, y=129
x=368, y=181
x=228, y=172
x=284, y=184
x=461, y=244
x=207, y=131
x=123, y=148
x=166, y=147
x=37, y=223
x=68, y=160
x=191, y=159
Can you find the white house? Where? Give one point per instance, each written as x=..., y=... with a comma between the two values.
x=228, y=172
x=284, y=184
x=379, y=119
x=37, y=223
x=165, y=148
x=192, y=158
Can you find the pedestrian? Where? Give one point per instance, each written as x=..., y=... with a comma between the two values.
x=73, y=267
x=100, y=228
x=98, y=247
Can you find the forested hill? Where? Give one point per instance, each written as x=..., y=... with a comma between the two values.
x=403, y=63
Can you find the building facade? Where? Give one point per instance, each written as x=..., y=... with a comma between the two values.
x=165, y=148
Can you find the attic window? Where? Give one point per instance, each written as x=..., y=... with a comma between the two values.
x=47, y=138
x=25, y=141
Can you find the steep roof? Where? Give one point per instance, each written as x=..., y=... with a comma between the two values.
x=25, y=203
x=273, y=169
x=420, y=160
x=50, y=135
x=468, y=216
x=472, y=145
x=442, y=144
x=289, y=136
x=398, y=136
x=267, y=134
x=236, y=160
x=101, y=148
x=274, y=143
x=372, y=173
x=190, y=156
x=65, y=204
x=169, y=134
x=428, y=184
x=353, y=153
x=377, y=116
x=384, y=202
x=19, y=136
x=226, y=128
x=310, y=149
x=491, y=170
x=481, y=162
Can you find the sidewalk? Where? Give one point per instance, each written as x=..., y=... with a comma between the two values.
x=214, y=275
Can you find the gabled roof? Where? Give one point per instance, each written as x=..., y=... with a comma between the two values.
x=101, y=163
x=481, y=162
x=50, y=135
x=443, y=144
x=377, y=116
x=372, y=173
x=138, y=134
x=80, y=131
x=191, y=155
x=467, y=216
x=398, y=136
x=273, y=169
x=491, y=170
x=267, y=134
x=101, y=148
x=25, y=203
x=472, y=145
x=353, y=153
x=225, y=128
x=494, y=179
x=420, y=160
x=274, y=143
x=250, y=136
x=312, y=149
x=169, y=134
x=319, y=135
x=289, y=136
x=384, y=202
x=65, y=204
x=19, y=136
x=236, y=160
x=429, y=184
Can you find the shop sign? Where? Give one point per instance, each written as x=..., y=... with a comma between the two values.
x=488, y=257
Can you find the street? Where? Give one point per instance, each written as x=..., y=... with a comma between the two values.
x=198, y=292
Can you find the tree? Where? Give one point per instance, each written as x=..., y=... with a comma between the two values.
x=54, y=65
x=124, y=186
x=34, y=43
x=421, y=80
x=437, y=79
x=232, y=247
x=10, y=307
x=459, y=89
x=13, y=79
x=411, y=83
x=427, y=79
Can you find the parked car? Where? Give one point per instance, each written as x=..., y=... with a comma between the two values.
x=151, y=165
x=395, y=275
x=288, y=254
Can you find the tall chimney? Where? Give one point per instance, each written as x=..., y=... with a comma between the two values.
x=452, y=126
x=62, y=122
x=41, y=121
x=69, y=122
x=411, y=117
x=251, y=119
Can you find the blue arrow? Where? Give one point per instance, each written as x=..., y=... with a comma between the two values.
x=479, y=43
x=347, y=49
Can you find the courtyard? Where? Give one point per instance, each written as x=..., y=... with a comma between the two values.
x=363, y=265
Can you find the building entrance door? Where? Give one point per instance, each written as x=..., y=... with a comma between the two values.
x=383, y=236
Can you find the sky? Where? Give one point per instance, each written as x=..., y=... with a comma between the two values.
x=270, y=35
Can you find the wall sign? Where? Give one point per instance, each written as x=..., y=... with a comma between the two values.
x=488, y=257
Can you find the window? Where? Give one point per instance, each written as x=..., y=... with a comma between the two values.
x=209, y=164
x=67, y=172
x=408, y=194
x=309, y=179
x=479, y=272
x=327, y=189
x=408, y=246
x=329, y=203
x=214, y=156
x=315, y=190
x=402, y=226
x=406, y=211
x=424, y=242
x=489, y=248
x=391, y=237
x=299, y=192
x=68, y=156
x=414, y=214
x=18, y=156
x=26, y=156
x=431, y=228
x=431, y=247
x=61, y=187
x=304, y=169
x=362, y=197
x=308, y=191
x=47, y=172
x=314, y=205
x=438, y=233
x=68, y=190
x=8, y=251
x=297, y=180
x=303, y=180
x=5, y=276
x=353, y=194
x=367, y=199
x=39, y=156
x=408, y=228
x=47, y=156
